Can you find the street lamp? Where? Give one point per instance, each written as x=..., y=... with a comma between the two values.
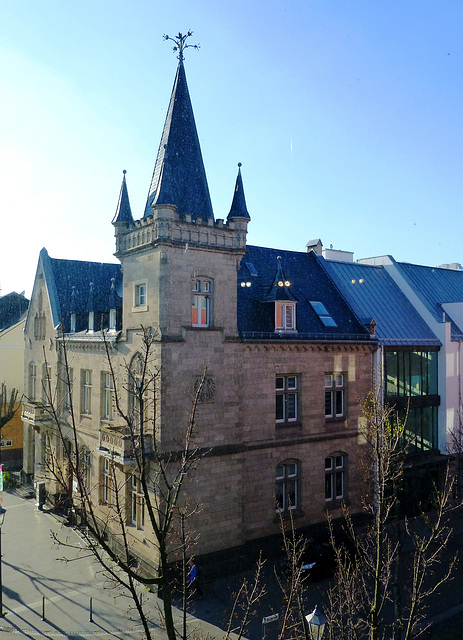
x=2, y=520
x=316, y=622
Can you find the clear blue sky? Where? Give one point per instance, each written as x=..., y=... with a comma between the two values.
x=346, y=115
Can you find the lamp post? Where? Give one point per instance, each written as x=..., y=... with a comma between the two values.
x=2, y=520
x=316, y=623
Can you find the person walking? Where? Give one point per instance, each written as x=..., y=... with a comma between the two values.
x=193, y=579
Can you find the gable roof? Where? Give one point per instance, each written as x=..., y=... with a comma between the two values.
x=69, y=288
x=436, y=287
x=305, y=281
x=373, y=294
x=12, y=307
x=179, y=177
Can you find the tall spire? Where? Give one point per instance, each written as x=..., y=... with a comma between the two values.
x=179, y=177
x=238, y=207
x=123, y=211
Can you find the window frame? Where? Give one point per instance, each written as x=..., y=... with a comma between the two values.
x=107, y=396
x=281, y=311
x=290, y=400
x=32, y=381
x=334, y=392
x=86, y=392
x=334, y=473
x=46, y=383
x=106, y=485
x=137, y=503
x=140, y=296
x=201, y=302
x=286, y=483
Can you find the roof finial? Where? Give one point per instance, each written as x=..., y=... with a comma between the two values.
x=180, y=46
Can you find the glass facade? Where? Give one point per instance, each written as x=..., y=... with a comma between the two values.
x=411, y=373
x=411, y=387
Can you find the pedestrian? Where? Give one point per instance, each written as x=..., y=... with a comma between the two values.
x=193, y=579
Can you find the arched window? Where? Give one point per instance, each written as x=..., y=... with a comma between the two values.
x=287, y=486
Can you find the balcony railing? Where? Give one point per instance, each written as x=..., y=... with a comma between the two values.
x=35, y=412
x=120, y=443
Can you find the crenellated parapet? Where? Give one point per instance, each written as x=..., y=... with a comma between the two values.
x=166, y=225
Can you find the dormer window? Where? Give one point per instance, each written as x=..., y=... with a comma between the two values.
x=285, y=316
x=201, y=303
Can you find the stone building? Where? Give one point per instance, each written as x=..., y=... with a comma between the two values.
x=287, y=361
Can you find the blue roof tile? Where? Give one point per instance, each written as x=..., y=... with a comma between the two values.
x=372, y=293
x=435, y=286
x=179, y=177
x=238, y=207
x=306, y=281
x=69, y=289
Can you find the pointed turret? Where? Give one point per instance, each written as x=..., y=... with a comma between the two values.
x=123, y=212
x=179, y=176
x=238, y=207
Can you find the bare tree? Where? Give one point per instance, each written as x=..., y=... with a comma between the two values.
x=161, y=476
x=8, y=404
x=382, y=583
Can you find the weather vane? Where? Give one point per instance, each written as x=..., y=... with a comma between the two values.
x=179, y=40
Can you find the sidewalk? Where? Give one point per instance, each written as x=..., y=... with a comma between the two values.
x=36, y=582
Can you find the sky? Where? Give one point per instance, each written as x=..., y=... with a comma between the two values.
x=345, y=114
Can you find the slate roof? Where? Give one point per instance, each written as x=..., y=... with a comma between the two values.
x=12, y=307
x=70, y=291
x=435, y=286
x=372, y=293
x=238, y=207
x=123, y=211
x=306, y=280
x=179, y=176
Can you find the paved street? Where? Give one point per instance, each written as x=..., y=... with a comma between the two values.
x=34, y=577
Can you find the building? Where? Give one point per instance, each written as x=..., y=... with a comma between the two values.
x=13, y=307
x=286, y=360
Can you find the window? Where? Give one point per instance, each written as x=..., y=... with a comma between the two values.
x=106, y=481
x=335, y=395
x=140, y=295
x=141, y=399
x=201, y=303
x=46, y=384
x=286, y=390
x=86, y=392
x=46, y=458
x=107, y=399
x=85, y=467
x=39, y=326
x=285, y=316
x=335, y=469
x=137, y=503
x=6, y=443
x=322, y=313
x=287, y=486
x=32, y=380
x=67, y=382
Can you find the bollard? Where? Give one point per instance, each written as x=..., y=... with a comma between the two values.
x=43, y=608
x=91, y=610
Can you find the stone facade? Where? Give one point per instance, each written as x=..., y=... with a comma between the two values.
x=271, y=443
